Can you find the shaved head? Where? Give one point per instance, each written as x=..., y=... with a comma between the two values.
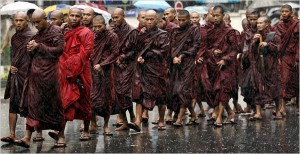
x=57, y=17
x=151, y=19
x=170, y=9
x=90, y=10
x=226, y=19
x=76, y=10
x=39, y=14
x=57, y=13
x=99, y=18
x=143, y=12
x=119, y=11
x=170, y=14
x=22, y=15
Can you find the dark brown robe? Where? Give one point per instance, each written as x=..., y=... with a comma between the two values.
x=289, y=57
x=103, y=89
x=153, y=72
x=21, y=60
x=224, y=38
x=184, y=42
x=127, y=36
x=41, y=100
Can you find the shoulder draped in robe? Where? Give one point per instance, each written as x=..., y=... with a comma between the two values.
x=76, y=74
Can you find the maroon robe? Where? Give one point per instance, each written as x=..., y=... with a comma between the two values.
x=221, y=37
x=184, y=42
x=76, y=74
x=21, y=60
x=153, y=72
x=127, y=56
x=289, y=33
x=201, y=81
x=103, y=90
x=170, y=26
x=247, y=90
x=264, y=69
x=41, y=100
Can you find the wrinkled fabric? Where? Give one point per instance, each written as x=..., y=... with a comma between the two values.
x=41, y=99
x=75, y=74
x=224, y=38
x=103, y=89
x=21, y=60
x=289, y=57
x=127, y=36
x=184, y=42
x=152, y=74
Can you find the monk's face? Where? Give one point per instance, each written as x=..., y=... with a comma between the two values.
x=226, y=20
x=286, y=13
x=195, y=18
x=141, y=18
x=217, y=16
x=261, y=24
x=99, y=26
x=56, y=19
x=20, y=22
x=253, y=20
x=151, y=20
x=39, y=22
x=183, y=20
x=87, y=16
x=74, y=18
x=118, y=19
x=169, y=15
x=161, y=24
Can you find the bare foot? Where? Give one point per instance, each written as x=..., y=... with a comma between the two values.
x=123, y=127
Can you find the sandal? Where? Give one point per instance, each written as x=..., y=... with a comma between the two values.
x=155, y=122
x=38, y=139
x=218, y=124
x=22, y=143
x=177, y=124
x=134, y=127
x=107, y=134
x=60, y=145
x=169, y=121
x=161, y=128
x=253, y=118
x=7, y=139
x=192, y=123
x=85, y=138
x=53, y=135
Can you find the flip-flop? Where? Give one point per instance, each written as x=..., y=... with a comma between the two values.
x=53, y=135
x=118, y=124
x=145, y=120
x=107, y=134
x=38, y=139
x=218, y=124
x=191, y=123
x=155, y=122
x=22, y=144
x=7, y=139
x=60, y=145
x=169, y=122
x=255, y=118
x=85, y=138
x=177, y=124
x=134, y=127
x=94, y=132
x=161, y=128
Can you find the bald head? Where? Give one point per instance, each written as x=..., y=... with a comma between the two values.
x=75, y=10
x=209, y=17
x=57, y=17
x=141, y=18
x=39, y=14
x=20, y=21
x=119, y=11
x=141, y=13
x=151, y=19
x=118, y=17
x=89, y=10
x=170, y=14
x=195, y=18
x=99, y=18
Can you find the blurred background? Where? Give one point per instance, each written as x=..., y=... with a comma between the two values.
x=236, y=9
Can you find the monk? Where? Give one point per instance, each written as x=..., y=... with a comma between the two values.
x=235, y=97
x=264, y=75
x=165, y=25
x=57, y=18
x=195, y=18
x=184, y=44
x=222, y=51
x=288, y=30
x=141, y=20
x=124, y=65
x=20, y=61
x=247, y=90
x=152, y=71
x=170, y=15
x=102, y=59
x=75, y=74
x=87, y=17
x=41, y=100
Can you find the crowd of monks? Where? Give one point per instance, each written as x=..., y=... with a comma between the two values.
x=84, y=68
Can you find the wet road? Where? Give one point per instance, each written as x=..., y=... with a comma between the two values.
x=267, y=136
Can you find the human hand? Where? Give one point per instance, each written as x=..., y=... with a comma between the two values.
x=13, y=70
x=141, y=60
